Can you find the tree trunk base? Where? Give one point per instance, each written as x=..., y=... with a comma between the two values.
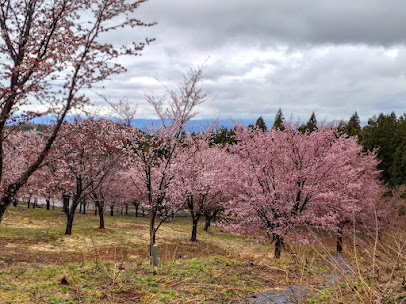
x=279, y=245
x=2, y=211
x=339, y=243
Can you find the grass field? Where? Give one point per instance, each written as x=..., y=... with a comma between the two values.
x=39, y=264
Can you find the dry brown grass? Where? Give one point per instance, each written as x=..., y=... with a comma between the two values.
x=41, y=265
x=112, y=265
x=378, y=263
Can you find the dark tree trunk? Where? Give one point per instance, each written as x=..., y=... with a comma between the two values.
x=84, y=207
x=101, y=214
x=209, y=217
x=48, y=203
x=53, y=204
x=207, y=225
x=279, y=244
x=4, y=203
x=126, y=209
x=69, y=223
x=3, y=208
x=136, y=208
x=65, y=202
x=339, y=240
x=121, y=211
x=111, y=210
x=195, y=220
x=80, y=207
x=70, y=213
x=101, y=217
x=28, y=204
x=143, y=211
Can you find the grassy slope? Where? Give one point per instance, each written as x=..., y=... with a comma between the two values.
x=39, y=264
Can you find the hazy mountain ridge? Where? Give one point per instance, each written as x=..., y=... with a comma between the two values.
x=143, y=124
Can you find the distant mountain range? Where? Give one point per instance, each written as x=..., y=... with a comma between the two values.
x=143, y=124
x=194, y=125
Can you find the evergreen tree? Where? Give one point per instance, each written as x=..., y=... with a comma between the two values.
x=398, y=168
x=223, y=136
x=353, y=127
x=342, y=126
x=279, y=121
x=260, y=124
x=310, y=126
x=379, y=134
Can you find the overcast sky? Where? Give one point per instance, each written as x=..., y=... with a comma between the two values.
x=332, y=57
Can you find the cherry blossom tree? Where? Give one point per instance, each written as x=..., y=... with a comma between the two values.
x=20, y=149
x=354, y=199
x=200, y=182
x=39, y=186
x=99, y=196
x=288, y=178
x=83, y=156
x=128, y=187
x=115, y=189
x=153, y=154
x=124, y=109
x=50, y=51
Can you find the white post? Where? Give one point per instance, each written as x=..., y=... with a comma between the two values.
x=155, y=255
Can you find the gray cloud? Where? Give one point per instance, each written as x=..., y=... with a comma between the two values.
x=331, y=57
x=211, y=23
